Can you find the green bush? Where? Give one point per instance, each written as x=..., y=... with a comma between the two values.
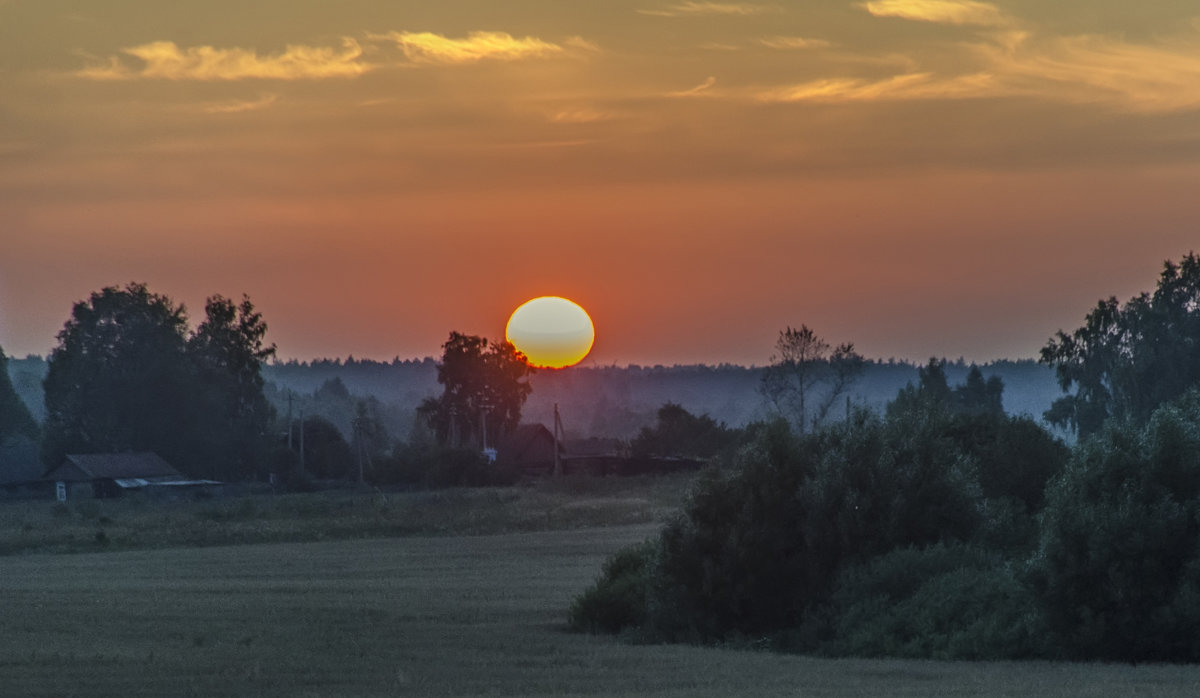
x=617, y=601
x=940, y=602
x=1118, y=567
x=758, y=549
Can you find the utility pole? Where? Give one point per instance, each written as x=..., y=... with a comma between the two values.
x=362, y=452
x=302, y=470
x=484, y=407
x=289, y=420
x=557, y=428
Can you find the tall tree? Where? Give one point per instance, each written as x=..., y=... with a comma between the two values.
x=126, y=375
x=482, y=383
x=229, y=349
x=15, y=419
x=801, y=364
x=119, y=378
x=1128, y=359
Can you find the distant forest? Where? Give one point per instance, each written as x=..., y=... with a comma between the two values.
x=594, y=401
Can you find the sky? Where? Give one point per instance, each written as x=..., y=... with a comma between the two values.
x=920, y=177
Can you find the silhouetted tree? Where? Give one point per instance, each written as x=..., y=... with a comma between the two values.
x=15, y=419
x=480, y=381
x=1126, y=360
x=932, y=396
x=678, y=432
x=802, y=362
x=327, y=455
x=228, y=349
x=120, y=378
x=979, y=396
x=127, y=376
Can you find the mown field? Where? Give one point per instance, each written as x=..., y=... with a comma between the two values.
x=418, y=614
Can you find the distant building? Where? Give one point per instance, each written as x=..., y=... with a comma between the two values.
x=529, y=448
x=105, y=475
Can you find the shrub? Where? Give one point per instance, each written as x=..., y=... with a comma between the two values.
x=1118, y=567
x=757, y=550
x=941, y=602
x=617, y=601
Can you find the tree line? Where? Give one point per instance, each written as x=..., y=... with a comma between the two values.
x=941, y=527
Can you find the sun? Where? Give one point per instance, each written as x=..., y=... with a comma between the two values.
x=552, y=332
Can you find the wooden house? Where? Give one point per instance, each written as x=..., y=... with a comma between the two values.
x=106, y=475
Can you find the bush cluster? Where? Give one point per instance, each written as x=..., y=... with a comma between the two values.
x=929, y=533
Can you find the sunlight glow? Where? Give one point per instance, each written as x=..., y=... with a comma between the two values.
x=552, y=332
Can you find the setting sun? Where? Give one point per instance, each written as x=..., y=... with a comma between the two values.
x=552, y=332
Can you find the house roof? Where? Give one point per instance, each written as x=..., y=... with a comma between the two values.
x=113, y=466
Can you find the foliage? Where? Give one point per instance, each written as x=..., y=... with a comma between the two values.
x=679, y=433
x=1012, y=457
x=126, y=375
x=481, y=381
x=327, y=456
x=938, y=602
x=15, y=419
x=1128, y=359
x=802, y=364
x=932, y=396
x=758, y=549
x=803, y=543
x=1119, y=560
x=120, y=379
x=617, y=601
x=228, y=349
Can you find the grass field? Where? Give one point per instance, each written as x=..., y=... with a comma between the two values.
x=88, y=525
x=451, y=615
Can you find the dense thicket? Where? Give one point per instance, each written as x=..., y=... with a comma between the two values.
x=805, y=541
x=1118, y=566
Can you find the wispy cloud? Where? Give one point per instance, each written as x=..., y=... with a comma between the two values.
x=693, y=9
x=1088, y=69
x=236, y=107
x=789, y=43
x=968, y=12
x=582, y=115
x=166, y=60
x=1135, y=77
x=699, y=90
x=900, y=87
x=427, y=47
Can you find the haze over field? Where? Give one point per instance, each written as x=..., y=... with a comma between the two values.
x=938, y=177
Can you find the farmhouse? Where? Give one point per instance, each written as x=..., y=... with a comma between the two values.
x=106, y=475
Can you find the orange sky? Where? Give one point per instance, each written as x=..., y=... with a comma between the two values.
x=920, y=177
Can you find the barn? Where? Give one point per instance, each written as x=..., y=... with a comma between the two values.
x=105, y=475
x=529, y=448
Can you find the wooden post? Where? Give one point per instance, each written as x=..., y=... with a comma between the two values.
x=557, y=461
